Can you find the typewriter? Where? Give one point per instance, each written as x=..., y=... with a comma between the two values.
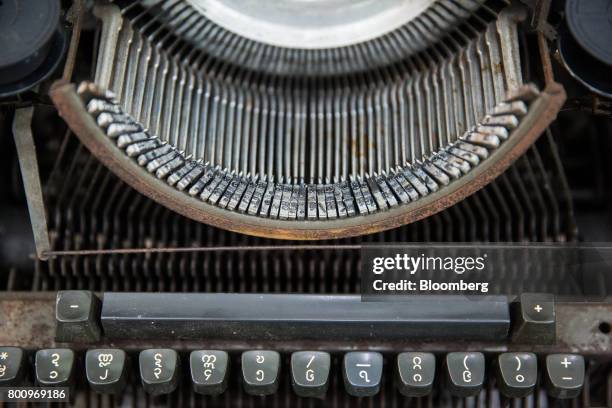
x=206, y=203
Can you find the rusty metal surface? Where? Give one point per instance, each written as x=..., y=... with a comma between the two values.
x=194, y=249
x=77, y=15
x=28, y=163
x=27, y=320
x=579, y=328
x=72, y=110
x=539, y=18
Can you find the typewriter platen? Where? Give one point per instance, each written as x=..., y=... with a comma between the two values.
x=191, y=189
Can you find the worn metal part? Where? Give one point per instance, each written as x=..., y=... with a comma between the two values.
x=306, y=158
x=580, y=328
x=278, y=317
x=290, y=37
x=313, y=24
x=77, y=13
x=27, y=320
x=539, y=18
x=28, y=163
x=305, y=129
x=541, y=111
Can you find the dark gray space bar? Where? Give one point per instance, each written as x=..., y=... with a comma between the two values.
x=301, y=317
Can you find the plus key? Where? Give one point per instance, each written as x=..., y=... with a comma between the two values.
x=534, y=319
x=564, y=375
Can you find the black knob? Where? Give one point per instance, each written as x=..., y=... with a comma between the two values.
x=32, y=43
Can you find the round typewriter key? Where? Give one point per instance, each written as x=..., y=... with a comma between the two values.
x=517, y=374
x=106, y=370
x=54, y=367
x=209, y=371
x=465, y=373
x=310, y=373
x=159, y=370
x=564, y=375
x=260, y=371
x=11, y=366
x=415, y=373
x=362, y=373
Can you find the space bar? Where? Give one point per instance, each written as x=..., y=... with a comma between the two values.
x=301, y=317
